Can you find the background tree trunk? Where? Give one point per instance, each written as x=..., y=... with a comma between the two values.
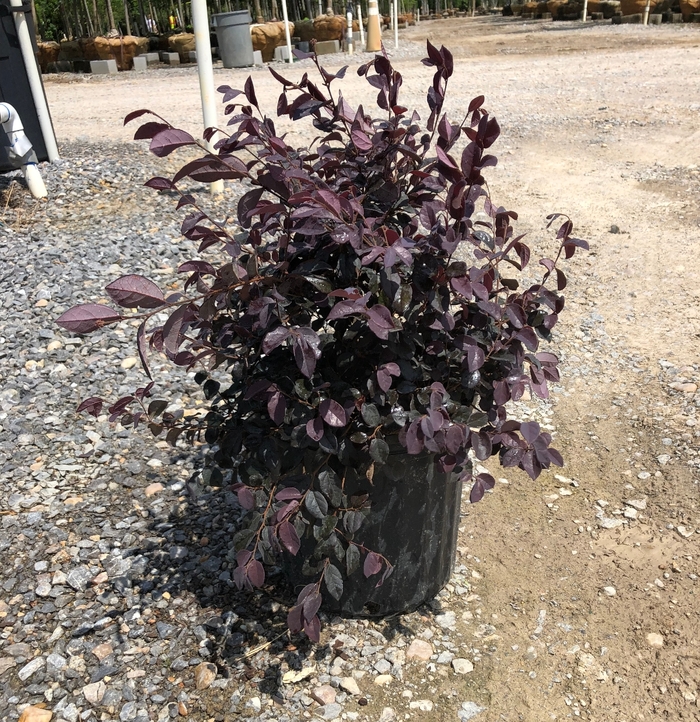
x=110, y=15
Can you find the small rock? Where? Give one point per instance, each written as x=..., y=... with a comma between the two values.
x=609, y=591
x=329, y=711
x=446, y=620
x=325, y=694
x=419, y=649
x=6, y=663
x=630, y=513
x=43, y=588
x=684, y=531
x=153, y=489
x=469, y=710
x=387, y=715
x=79, y=578
x=28, y=670
x=686, y=388
x=655, y=640
x=614, y=228
x=382, y=666
x=55, y=663
x=350, y=685
x=102, y=651
x=606, y=523
x=383, y=679
x=638, y=504
x=643, y=475
x=94, y=693
x=129, y=362
x=254, y=703
x=424, y=705
x=204, y=675
x=35, y=714
x=462, y=666
x=128, y=712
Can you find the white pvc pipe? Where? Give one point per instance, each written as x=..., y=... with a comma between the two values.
x=348, y=30
x=35, y=85
x=21, y=148
x=647, y=7
x=205, y=70
x=290, y=57
x=396, y=24
x=362, y=29
x=584, y=12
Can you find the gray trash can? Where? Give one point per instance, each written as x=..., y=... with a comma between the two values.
x=233, y=34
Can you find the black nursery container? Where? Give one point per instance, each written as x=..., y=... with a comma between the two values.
x=413, y=522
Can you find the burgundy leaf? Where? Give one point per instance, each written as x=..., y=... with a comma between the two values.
x=289, y=537
x=384, y=379
x=160, y=184
x=314, y=428
x=136, y=114
x=372, y=565
x=87, y=317
x=276, y=407
x=173, y=330
x=256, y=573
x=493, y=130
x=454, y=438
x=414, y=438
x=380, y=321
x=93, y=406
x=481, y=443
x=275, y=338
x=475, y=104
x=289, y=493
x=249, y=90
x=148, y=130
x=312, y=629
x=333, y=413
x=168, y=140
x=481, y=484
x=201, y=267
x=246, y=498
x=294, y=619
x=311, y=604
x=530, y=431
x=135, y=291
x=246, y=204
x=475, y=358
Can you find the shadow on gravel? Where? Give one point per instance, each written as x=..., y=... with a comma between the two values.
x=186, y=553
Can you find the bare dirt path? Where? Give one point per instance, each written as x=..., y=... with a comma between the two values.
x=602, y=123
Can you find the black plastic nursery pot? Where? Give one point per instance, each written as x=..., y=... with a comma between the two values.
x=413, y=522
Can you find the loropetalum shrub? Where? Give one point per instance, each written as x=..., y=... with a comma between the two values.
x=354, y=303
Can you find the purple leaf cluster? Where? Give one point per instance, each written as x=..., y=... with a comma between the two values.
x=368, y=296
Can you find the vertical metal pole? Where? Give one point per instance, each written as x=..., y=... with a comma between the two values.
x=34, y=77
x=647, y=8
x=584, y=12
x=348, y=30
x=374, y=30
x=290, y=57
x=362, y=29
x=205, y=70
x=396, y=24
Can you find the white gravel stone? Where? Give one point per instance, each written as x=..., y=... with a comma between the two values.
x=462, y=666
